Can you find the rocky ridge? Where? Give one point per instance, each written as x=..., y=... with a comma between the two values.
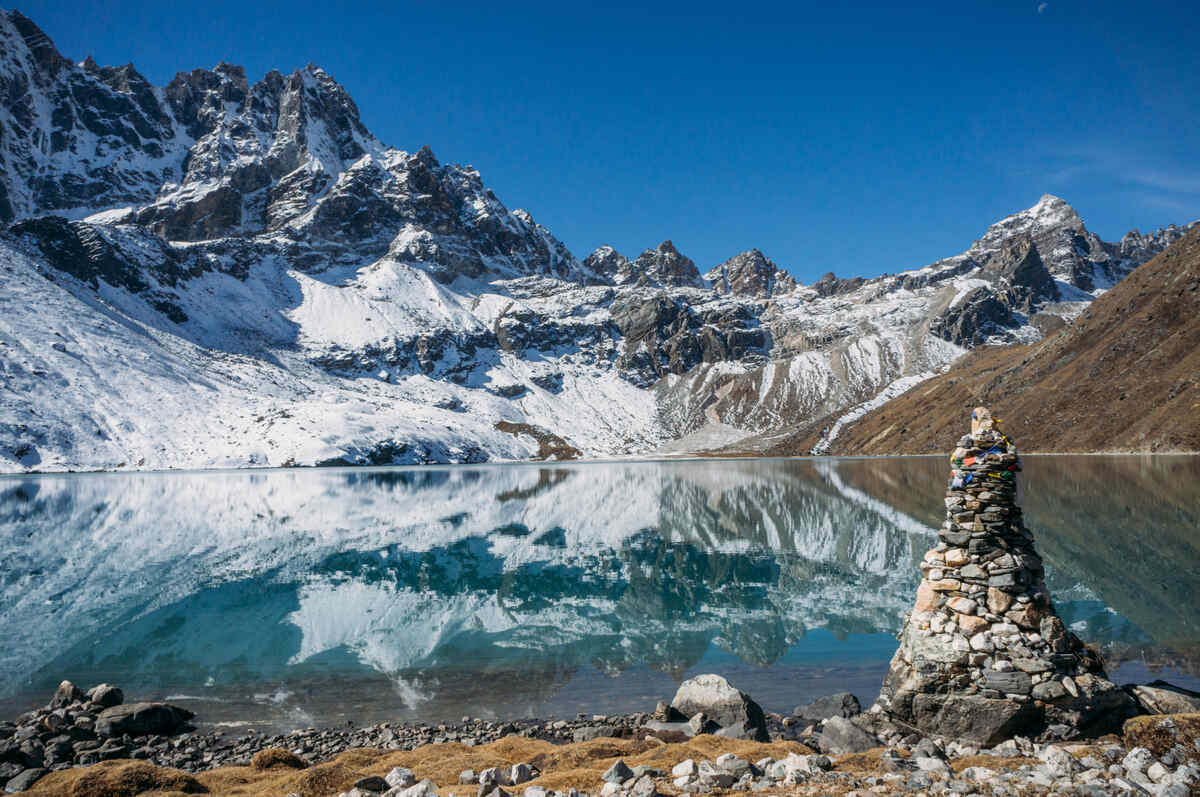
x=335, y=300
x=1120, y=378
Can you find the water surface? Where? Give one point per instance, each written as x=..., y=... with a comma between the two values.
x=315, y=597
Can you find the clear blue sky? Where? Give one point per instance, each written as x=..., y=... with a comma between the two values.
x=853, y=138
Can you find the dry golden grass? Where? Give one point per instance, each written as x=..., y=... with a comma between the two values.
x=1144, y=732
x=119, y=779
x=562, y=766
x=277, y=757
x=990, y=762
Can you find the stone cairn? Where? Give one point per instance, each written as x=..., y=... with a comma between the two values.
x=983, y=656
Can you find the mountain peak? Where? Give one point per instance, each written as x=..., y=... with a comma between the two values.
x=750, y=273
x=666, y=265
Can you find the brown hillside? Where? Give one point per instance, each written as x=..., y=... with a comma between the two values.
x=1124, y=377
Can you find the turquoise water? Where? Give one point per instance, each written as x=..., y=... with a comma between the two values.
x=312, y=597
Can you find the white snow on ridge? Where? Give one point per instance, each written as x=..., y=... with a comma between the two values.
x=894, y=389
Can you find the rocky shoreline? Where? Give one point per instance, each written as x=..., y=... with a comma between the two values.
x=80, y=729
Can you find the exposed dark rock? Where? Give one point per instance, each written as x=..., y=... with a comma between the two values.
x=750, y=274
x=830, y=285
x=139, y=719
x=839, y=735
x=981, y=720
x=66, y=694
x=663, y=265
x=842, y=704
x=25, y=780
x=106, y=695
x=977, y=316
x=1160, y=697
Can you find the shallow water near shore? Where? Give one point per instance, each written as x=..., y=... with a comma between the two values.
x=294, y=598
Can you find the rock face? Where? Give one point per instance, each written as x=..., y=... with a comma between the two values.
x=730, y=708
x=983, y=655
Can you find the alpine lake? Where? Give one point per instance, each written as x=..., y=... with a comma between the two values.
x=279, y=599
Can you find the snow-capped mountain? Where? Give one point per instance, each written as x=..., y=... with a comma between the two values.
x=220, y=273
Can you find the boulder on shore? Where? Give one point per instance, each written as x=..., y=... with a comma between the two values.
x=839, y=735
x=733, y=710
x=1160, y=697
x=142, y=719
x=841, y=704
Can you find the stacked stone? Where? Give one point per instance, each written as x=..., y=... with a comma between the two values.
x=983, y=654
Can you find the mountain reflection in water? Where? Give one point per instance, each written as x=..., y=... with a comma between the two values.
x=305, y=597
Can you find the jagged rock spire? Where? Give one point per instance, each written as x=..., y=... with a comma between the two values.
x=750, y=273
x=983, y=655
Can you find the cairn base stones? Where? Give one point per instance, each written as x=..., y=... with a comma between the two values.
x=983, y=655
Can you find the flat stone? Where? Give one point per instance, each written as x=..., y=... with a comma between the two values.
x=946, y=585
x=840, y=735
x=955, y=537
x=589, y=732
x=733, y=764
x=1010, y=683
x=25, y=780
x=972, y=571
x=998, y=601
x=841, y=704
x=1032, y=665
x=142, y=719
x=963, y=605
x=972, y=624
x=957, y=557
x=927, y=598
x=1160, y=697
